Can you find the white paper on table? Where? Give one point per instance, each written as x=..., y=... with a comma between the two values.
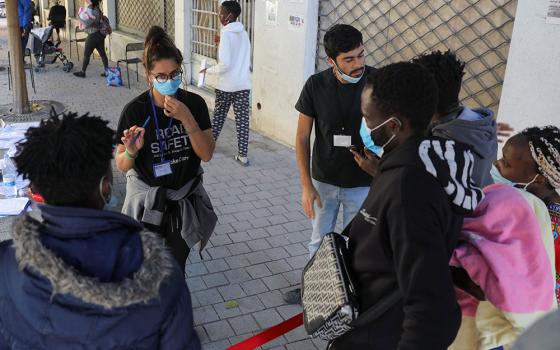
x=12, y=206
x=202, y=76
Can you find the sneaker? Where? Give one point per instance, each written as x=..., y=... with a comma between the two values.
x=242, y=160
x=80, y=74
x=104, y=74
x=293, y=297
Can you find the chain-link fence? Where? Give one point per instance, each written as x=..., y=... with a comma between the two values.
x=136, y=17
x=479, y=31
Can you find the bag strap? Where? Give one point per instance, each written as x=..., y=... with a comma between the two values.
x=346, y=231
x=381, y=307
x=377, y=310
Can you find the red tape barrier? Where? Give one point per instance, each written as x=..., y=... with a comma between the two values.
x=269, y=334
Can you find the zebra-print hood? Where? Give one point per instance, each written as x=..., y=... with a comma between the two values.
x=450, y=162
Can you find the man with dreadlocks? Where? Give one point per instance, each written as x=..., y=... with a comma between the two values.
x=75, y=276
x=531, y=159
x=475, y=127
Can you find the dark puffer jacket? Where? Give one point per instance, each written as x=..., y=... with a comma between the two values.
x=74, y=278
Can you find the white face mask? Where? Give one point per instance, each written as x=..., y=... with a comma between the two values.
x=350, y=79
x=347, y=78
x=500, y=179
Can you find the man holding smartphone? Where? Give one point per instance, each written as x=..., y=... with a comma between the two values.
x=330, y=101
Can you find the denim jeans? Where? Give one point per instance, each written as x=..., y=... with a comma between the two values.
x=331, y=199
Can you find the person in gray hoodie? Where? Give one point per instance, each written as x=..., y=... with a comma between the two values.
x=474, y=127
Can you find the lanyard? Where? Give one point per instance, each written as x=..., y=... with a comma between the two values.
x=159, y=138
x=344, y=107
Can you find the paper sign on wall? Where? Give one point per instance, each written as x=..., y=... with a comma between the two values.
x=553, y=13
x=297, y=22
x=271, y=12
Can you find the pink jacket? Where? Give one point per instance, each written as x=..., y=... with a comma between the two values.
x=503, y=253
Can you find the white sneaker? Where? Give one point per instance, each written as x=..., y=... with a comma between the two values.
x=242, y=160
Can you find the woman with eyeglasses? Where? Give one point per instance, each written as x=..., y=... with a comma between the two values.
x=164, y=134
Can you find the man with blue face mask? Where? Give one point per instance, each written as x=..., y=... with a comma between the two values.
x=330, y=102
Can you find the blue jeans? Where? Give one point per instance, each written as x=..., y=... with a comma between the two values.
x=331, y=199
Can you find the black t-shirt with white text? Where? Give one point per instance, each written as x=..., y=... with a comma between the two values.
x=176, y=144
x=335, y=108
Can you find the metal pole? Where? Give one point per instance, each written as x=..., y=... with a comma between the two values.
x=21, y=100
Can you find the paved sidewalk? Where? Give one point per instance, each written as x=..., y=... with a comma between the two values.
x=260, y=244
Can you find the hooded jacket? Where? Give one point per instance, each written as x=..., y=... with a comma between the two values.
x=477, y=129
x=234, y=56
x=76, y=278
x=400, y=244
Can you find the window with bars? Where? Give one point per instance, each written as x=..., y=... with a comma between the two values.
x=205, y=24
x=396, y=30
x=136, y=17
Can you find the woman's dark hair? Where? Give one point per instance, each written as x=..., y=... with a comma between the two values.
x=544, y=144
x=159, y=46
x=341, y=38
x=233, y=8
x=65, y=157
x=95, y=3
x=448, y=71
x=407, y=89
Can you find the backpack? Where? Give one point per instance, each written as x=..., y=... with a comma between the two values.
x=105, y=26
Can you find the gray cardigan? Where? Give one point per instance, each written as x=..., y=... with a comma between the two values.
x=197, y=213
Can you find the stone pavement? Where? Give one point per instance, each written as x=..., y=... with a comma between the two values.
x=260, y=244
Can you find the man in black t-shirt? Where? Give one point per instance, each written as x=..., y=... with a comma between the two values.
x=330, y=101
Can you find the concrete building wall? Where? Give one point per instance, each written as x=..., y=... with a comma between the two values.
x=532, y=79
x=283, y=60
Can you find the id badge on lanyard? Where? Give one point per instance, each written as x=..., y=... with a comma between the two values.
x=342, y=141
x=162, y=168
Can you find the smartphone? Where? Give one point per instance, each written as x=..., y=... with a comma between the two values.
x=358, y=149
x=361, y=152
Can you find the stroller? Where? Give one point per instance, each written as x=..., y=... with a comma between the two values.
x=42, y=46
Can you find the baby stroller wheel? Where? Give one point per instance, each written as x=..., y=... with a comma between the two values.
x=68, y=67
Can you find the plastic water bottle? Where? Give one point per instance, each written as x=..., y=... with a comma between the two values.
x=9, y=175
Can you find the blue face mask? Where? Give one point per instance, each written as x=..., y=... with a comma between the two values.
x=169, y=88
x=347, y=78
x=365, y=133
x=499, y=179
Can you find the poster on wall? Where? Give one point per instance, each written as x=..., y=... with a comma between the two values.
x=553, y=12
x=297, y=22
x=271, y=12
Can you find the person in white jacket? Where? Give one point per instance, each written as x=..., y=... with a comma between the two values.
x=234, y=81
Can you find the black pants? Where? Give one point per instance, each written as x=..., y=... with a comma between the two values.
x=95, y=41
x=24, y=38
x=170, y=231
x=57, y=30
x=240, y=101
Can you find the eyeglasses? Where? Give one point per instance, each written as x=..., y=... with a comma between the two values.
x=163, y=78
